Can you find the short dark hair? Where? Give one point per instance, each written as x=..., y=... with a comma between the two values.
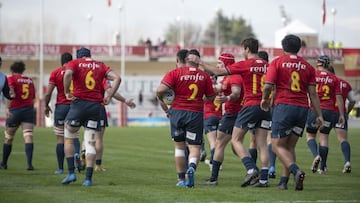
x=0, y=60
x=18, y=67
x=83, y=52
x=264, y=55
x=194, y=52
x=181, y=55
x=66, y=57
x=252, y=44
x=291, y=44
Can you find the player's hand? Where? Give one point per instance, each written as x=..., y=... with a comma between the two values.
x=341, y=121
x=167, y=113
x=8, y=114
x=12, y=93
x=130, y=103
x=47, y=111
x=265, y=104
x=320, y=122
x=70, y=96
x=107, y=100
x=221, y=99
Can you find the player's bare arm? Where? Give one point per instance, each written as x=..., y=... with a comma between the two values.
x=265, y=101
x=7, y=111
x=129, y=102
x=316, y=105
x=50, y=88
x=160, y=91
x=352, y=101
x=235, y=94
x=116, y=80
x=12, y=93
x=213, y=69
x=341, y=105
x=67, y=81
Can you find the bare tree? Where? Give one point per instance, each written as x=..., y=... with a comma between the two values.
x=230, y=31
x=192, y=34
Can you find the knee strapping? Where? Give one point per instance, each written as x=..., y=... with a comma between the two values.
x=68, y=134
x=59, y=131
x=8, y=137
x=179, y=153
x=89, y=139
x=27, y=132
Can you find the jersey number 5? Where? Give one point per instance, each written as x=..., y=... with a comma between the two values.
x=25, y=91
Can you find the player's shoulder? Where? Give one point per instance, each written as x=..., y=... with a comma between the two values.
x=27, y=77
x=343, y=81
x=58, y=69
x=259, y=60
x=239, y=63
x=235, y=78
x=102, y=64
x=10, y=77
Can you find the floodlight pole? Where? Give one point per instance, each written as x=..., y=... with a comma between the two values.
x=89, y=18
x=217, y=31
x=0, y=22
x=122, y=40
x=41, y=50
x=334, y=11
x=39, y=112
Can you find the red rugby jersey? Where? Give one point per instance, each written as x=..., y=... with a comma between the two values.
x=253, y=73
x=345, y=88
x=327, y=87
x=57, y=78
x=190, y=84
x=212, y=108
x=234, y=106
x=291, y=75
x=24, y=91
x=88, y=77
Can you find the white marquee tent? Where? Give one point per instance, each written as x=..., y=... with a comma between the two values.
x=308, y=35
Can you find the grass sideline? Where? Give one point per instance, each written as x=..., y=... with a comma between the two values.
x=140, y=168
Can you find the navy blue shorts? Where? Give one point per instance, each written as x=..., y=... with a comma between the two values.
x=252, y=117
x=287, y=119
x=211, y=124
x=103, y=118
x=21, y=115
x=187, y=126
x=60, y=113
x=227, y=123
x=329, y=122
x=84, y=113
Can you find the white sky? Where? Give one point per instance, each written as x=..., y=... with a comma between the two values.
x=66, y=21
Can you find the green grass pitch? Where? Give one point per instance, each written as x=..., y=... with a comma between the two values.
x=140, y=168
